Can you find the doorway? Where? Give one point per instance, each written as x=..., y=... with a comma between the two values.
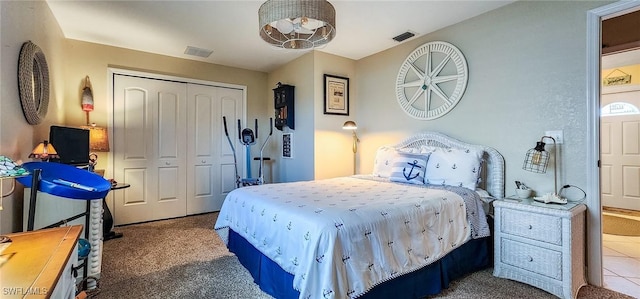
x=619, y=120
x=620, y=172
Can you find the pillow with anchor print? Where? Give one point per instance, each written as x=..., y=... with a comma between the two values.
x=409, y=168
x=384, y=161
x=454, y=167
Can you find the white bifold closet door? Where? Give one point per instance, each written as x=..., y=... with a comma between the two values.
x=169, y=144
x=211, y=172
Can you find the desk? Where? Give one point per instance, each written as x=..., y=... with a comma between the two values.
x=38, y=264
x=107, y=217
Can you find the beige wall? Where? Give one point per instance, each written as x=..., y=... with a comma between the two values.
x=321, y=149
x=298, y=73
x=70, y=61
x=19, y=23
x=527, y=70
x=333, y=145
x=93, y=60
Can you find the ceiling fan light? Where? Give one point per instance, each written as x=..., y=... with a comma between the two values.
x=285, y=26
x=309, y=23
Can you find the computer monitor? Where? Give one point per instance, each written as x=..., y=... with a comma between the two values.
x=72, y=145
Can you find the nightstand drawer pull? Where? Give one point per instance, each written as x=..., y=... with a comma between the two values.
x=530, y=259
x=530, y=226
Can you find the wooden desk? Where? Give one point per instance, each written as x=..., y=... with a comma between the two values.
x=37, y=262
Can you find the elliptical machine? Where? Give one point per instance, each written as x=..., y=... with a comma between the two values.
x=248, y=138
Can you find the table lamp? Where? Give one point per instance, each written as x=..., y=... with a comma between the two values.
x=44, y=151
x=98, y=142
x=537, y=160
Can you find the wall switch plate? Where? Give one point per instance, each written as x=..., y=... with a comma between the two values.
x=557, y=135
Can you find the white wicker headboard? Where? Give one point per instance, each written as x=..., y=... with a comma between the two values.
x=492, y=174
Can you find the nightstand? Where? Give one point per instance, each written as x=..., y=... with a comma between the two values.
x=541, y=245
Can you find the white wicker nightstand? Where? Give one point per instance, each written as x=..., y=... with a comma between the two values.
x=541, y=245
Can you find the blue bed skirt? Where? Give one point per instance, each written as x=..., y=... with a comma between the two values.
x=472, y=256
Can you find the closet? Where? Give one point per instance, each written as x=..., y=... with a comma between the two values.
x=169, y=145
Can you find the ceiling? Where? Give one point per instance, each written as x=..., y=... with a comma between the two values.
x=230, y=28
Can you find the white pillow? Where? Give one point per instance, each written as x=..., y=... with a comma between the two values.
x=409, y=168
x=384, y=161
x=454, y=167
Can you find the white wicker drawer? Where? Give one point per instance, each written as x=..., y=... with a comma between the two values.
x=543, y=261
x=525, y=224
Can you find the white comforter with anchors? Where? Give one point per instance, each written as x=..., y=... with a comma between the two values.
x=341, y=237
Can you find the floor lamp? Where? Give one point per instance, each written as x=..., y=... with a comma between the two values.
x=351, y=125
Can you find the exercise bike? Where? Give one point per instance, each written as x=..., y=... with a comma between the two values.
x=248, y=138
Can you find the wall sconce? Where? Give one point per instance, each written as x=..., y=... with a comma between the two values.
x=351, y=125
x=537, y=160
x=44, y=151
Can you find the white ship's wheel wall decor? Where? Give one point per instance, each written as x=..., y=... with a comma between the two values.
x=432, y=80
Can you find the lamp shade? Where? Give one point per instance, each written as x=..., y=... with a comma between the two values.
x=349, y=125
x=98, y=138
x=536, y=159
x=44, y=151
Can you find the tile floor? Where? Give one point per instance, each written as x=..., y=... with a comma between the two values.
x=621, y=262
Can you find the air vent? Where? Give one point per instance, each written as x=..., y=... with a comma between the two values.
x=198, y=52
x=404, y=36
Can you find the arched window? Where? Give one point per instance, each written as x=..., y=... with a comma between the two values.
x=619, y=108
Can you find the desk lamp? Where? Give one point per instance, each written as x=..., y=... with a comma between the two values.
x=98, y=142
x=44, y=151
x=536, y=161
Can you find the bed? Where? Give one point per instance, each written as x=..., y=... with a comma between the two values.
x=408, y=229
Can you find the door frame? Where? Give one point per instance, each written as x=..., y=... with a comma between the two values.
x=110, y=122
x=594, y=216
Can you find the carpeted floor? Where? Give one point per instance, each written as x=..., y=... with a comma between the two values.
x=185, y=258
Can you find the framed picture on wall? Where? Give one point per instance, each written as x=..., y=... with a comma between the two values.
x=336, y=95
x=287, y=145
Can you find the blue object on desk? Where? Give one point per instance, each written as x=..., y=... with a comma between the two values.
x=88, y=185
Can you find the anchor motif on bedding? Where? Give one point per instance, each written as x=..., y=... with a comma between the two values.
x=413, y=165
